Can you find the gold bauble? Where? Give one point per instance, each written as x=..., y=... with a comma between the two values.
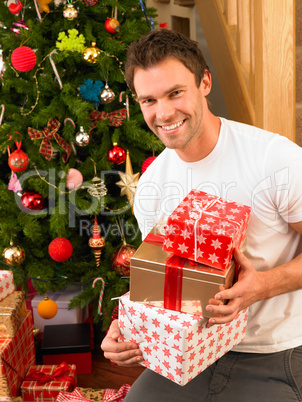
x=91, y=54
x=70, y=12
x=13, y=255
x=82, y=138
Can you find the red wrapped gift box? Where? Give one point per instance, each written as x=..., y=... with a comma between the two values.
x=206, y=229
x=16, y=356
x=70, y=343
x=44, y=383
x=176, y=345
x=6, y=283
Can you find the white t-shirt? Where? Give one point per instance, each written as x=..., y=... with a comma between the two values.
x=256, y=168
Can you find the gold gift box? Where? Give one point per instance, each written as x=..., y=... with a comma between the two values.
x=200, y=282
x=12, y=313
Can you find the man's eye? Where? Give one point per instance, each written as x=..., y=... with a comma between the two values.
x=175, y=93
x=146, y=101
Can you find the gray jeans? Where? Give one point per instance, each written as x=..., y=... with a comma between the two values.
x=235, y=377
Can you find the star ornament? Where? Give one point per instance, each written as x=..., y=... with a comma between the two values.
x=43, y=5
x=128, y=182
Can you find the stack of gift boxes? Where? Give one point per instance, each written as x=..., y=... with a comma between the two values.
x=19, y=376
x=173, y=275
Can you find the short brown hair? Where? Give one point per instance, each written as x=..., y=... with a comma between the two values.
x=158, y=45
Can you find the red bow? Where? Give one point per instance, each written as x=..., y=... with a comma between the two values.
x=115, y=118
x=59, y=374
x=47, y=134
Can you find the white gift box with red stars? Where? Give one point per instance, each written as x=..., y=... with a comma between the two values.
x=174, y=344
x=6, y=283
x=206, y=228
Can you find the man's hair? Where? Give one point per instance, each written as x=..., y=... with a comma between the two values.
x=158, y=45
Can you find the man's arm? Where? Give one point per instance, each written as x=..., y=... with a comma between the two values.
x=253, y=286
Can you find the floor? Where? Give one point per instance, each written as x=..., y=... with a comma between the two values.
x=106, y=375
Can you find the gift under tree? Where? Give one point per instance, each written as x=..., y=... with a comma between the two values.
x=73, y=143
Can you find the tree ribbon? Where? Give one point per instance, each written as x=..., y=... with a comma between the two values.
x=59, y=374
x=115, y=118
x=47, y=134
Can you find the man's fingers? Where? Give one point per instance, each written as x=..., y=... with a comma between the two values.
x=126, y=358
x=241, y=258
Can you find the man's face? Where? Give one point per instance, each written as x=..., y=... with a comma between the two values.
x=171, y=103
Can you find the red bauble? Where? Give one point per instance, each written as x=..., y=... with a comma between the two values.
x=116, y=154
x=18, y=160
x=15, y=8
x=112, y=25
x=121, y=257
x=60, y=249
x=32, y=200
x=147, y=163
x=23, y=58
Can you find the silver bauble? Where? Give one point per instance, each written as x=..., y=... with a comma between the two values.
x=82, y=138
x=107, y=95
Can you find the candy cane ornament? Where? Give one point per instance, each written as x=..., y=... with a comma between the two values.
x=55, y=69
x=2, y=114
x=101, y=293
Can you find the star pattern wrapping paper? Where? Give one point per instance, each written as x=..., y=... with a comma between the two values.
x=174, y=344
x=206, y=229
x=6, y=283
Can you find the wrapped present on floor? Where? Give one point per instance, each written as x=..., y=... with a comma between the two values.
x=64, y=315
x=12, y=313
x=45, y=382
x=206, y=228
x=176, y=345
x=6, y=283
x=70, y=343
x=162, y=279
x=17, y=354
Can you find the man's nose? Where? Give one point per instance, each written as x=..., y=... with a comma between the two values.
x=165, y=110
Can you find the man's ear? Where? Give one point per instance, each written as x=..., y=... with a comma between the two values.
x=206, y=83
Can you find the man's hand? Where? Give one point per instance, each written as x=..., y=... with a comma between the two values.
x=121, y=353
x=249, y=288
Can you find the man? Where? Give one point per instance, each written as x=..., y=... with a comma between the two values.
x=171, y=80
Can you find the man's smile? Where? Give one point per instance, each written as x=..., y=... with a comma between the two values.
x=172, y=126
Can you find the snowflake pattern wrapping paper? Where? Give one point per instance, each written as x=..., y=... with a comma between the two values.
x=206, y=229
x=6, y=283
x=177, y=345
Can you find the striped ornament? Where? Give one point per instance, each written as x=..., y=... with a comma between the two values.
x=23, y=58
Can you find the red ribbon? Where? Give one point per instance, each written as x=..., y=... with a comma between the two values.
x=59, y=374
x=47, y=134
x=115, y=118
x=173, y=276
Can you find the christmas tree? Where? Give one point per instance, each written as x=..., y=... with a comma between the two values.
x=73, y=143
